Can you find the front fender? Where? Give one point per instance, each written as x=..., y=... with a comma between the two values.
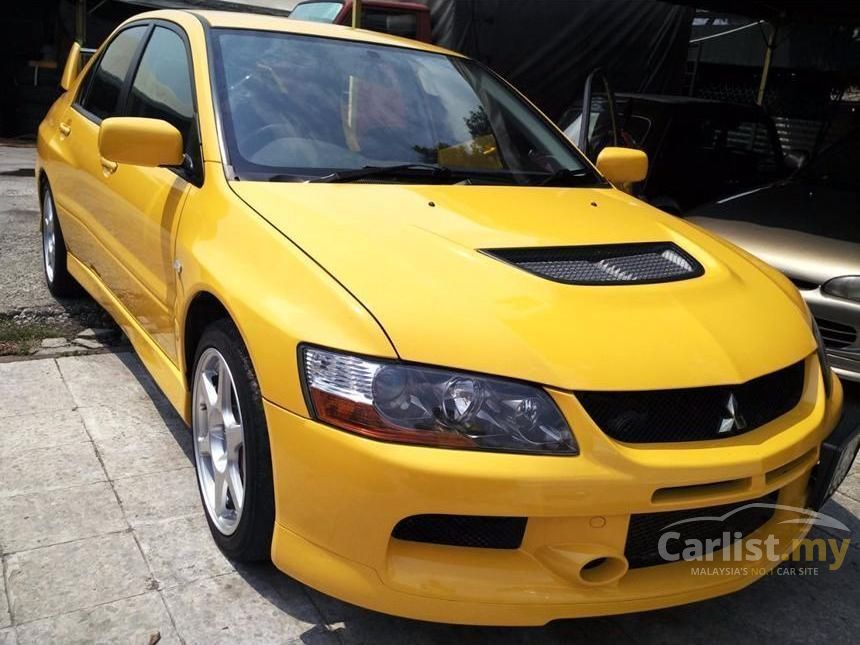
x=276, y=294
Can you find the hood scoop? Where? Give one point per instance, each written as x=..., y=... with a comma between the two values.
x=604, y=264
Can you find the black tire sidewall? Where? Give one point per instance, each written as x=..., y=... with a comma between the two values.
x=251, y=541
x=63, y=285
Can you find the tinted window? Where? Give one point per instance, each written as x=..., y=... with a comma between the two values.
x=317, y=11
x=101, y=95
x=162, y=84
x=305, y=106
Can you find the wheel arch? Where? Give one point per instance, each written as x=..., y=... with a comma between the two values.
x=42, y=181
x=42, y=184
x=204, y=307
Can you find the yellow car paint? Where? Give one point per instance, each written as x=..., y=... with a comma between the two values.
x=140, y=142
x=397, y=271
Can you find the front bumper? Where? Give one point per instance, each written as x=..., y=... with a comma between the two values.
x=339, y=496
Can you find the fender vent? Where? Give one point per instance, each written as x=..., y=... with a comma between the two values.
x=605, y=264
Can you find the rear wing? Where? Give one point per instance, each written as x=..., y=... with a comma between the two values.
x=78, y=57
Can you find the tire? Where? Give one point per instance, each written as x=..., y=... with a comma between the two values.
x=60, y=282
x=230, y=471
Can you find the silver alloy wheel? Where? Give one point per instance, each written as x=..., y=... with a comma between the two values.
x=219, y=441
x=49, y=236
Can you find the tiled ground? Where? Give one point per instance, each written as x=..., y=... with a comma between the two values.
x=103, y=540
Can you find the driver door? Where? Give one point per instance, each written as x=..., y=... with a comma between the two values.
x=148, y=201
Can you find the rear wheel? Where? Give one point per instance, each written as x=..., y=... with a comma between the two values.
x=231, y=445
x=60, y=282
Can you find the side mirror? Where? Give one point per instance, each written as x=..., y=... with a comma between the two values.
x=622, y=165
x=796, y=159
x=72, y=68
x=140, y=142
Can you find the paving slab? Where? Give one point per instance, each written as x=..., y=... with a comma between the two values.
x=105, y=424
x=159, y=496
x=132, y=620
x=65, y=577
x=181, y=550
x=86, y=377
x=142, y=455
x=41, y=430
x=7, y=636
x=232, y=608
x=60, y=515
x=27, y=387
x=851, y=486
x=42, y=469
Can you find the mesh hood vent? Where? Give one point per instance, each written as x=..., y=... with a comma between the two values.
x=605, y=264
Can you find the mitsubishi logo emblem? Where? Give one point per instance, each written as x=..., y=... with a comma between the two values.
x=732, y=420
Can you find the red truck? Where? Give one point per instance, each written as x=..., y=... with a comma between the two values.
x=406, y=19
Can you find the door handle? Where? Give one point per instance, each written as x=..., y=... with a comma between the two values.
x=108, y=167
x=65, y=129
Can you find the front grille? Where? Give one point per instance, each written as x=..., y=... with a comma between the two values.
x=643, y=535
x=463, y=530
x=695, y=414
x=605, y=264
x=836, y=335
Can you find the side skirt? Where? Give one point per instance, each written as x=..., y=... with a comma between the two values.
x=166, y=375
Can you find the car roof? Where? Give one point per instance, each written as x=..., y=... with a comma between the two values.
x=262, y=22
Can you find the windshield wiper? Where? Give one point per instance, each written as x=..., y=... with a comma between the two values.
x=568, y=177
x=400, y=170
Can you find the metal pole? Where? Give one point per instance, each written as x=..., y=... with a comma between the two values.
x=768, y=59
x=81, y=22
x=356, y=13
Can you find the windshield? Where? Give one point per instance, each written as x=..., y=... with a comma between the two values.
x=317, y=11
x=297, y=107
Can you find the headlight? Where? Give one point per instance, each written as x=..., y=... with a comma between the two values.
x=826, y=374
x=846, y=286
x=403, y=403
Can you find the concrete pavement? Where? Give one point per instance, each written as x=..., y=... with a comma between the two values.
x=103, y=540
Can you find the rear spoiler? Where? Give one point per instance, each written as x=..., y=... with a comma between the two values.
x=78, y=57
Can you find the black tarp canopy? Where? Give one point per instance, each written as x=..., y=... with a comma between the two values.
x=546, y=48
x=828, y=12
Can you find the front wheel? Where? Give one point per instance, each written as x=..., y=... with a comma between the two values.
x=231, y=445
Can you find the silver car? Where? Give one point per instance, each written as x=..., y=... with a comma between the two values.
x=809, y=228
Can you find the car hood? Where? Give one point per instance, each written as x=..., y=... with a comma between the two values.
x=410, y=255
x=804, y=230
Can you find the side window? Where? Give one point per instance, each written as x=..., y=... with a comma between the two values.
x=101, y=92
x=162, y=86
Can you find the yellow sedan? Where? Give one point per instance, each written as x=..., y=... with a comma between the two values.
x=434, y=362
